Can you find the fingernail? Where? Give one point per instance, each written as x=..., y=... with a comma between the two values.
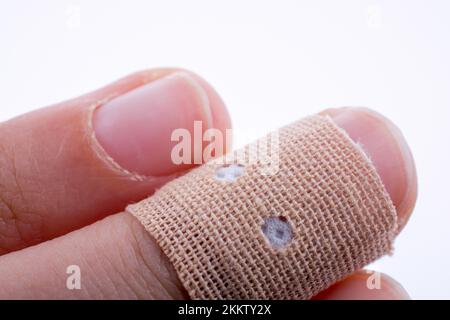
x=385, y=145
x=135, y=129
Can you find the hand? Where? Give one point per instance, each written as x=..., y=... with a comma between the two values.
x=66, y=170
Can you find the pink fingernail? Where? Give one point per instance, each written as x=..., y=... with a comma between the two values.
x=135, y=129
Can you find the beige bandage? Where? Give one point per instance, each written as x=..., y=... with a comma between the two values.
x=285, y=235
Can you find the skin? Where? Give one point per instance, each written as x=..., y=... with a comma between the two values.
x=67, y=169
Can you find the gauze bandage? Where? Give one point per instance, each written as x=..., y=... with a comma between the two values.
x=242, y=232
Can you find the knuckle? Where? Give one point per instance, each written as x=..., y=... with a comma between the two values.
x=18, y=224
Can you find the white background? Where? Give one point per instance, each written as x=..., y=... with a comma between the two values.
x=272, y=62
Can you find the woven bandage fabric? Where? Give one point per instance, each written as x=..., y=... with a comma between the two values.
x=285, y=235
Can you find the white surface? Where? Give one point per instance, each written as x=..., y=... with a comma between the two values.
x=272, y=62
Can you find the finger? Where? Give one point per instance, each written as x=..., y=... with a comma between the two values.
x=68, y=165
x=385, y=145
x=365, y=285
x=119, y=259
x=116, y=258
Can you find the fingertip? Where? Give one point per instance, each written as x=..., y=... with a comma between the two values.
x=387, y=148
x=365, y=285
x=136, y=128
x=220, y=115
